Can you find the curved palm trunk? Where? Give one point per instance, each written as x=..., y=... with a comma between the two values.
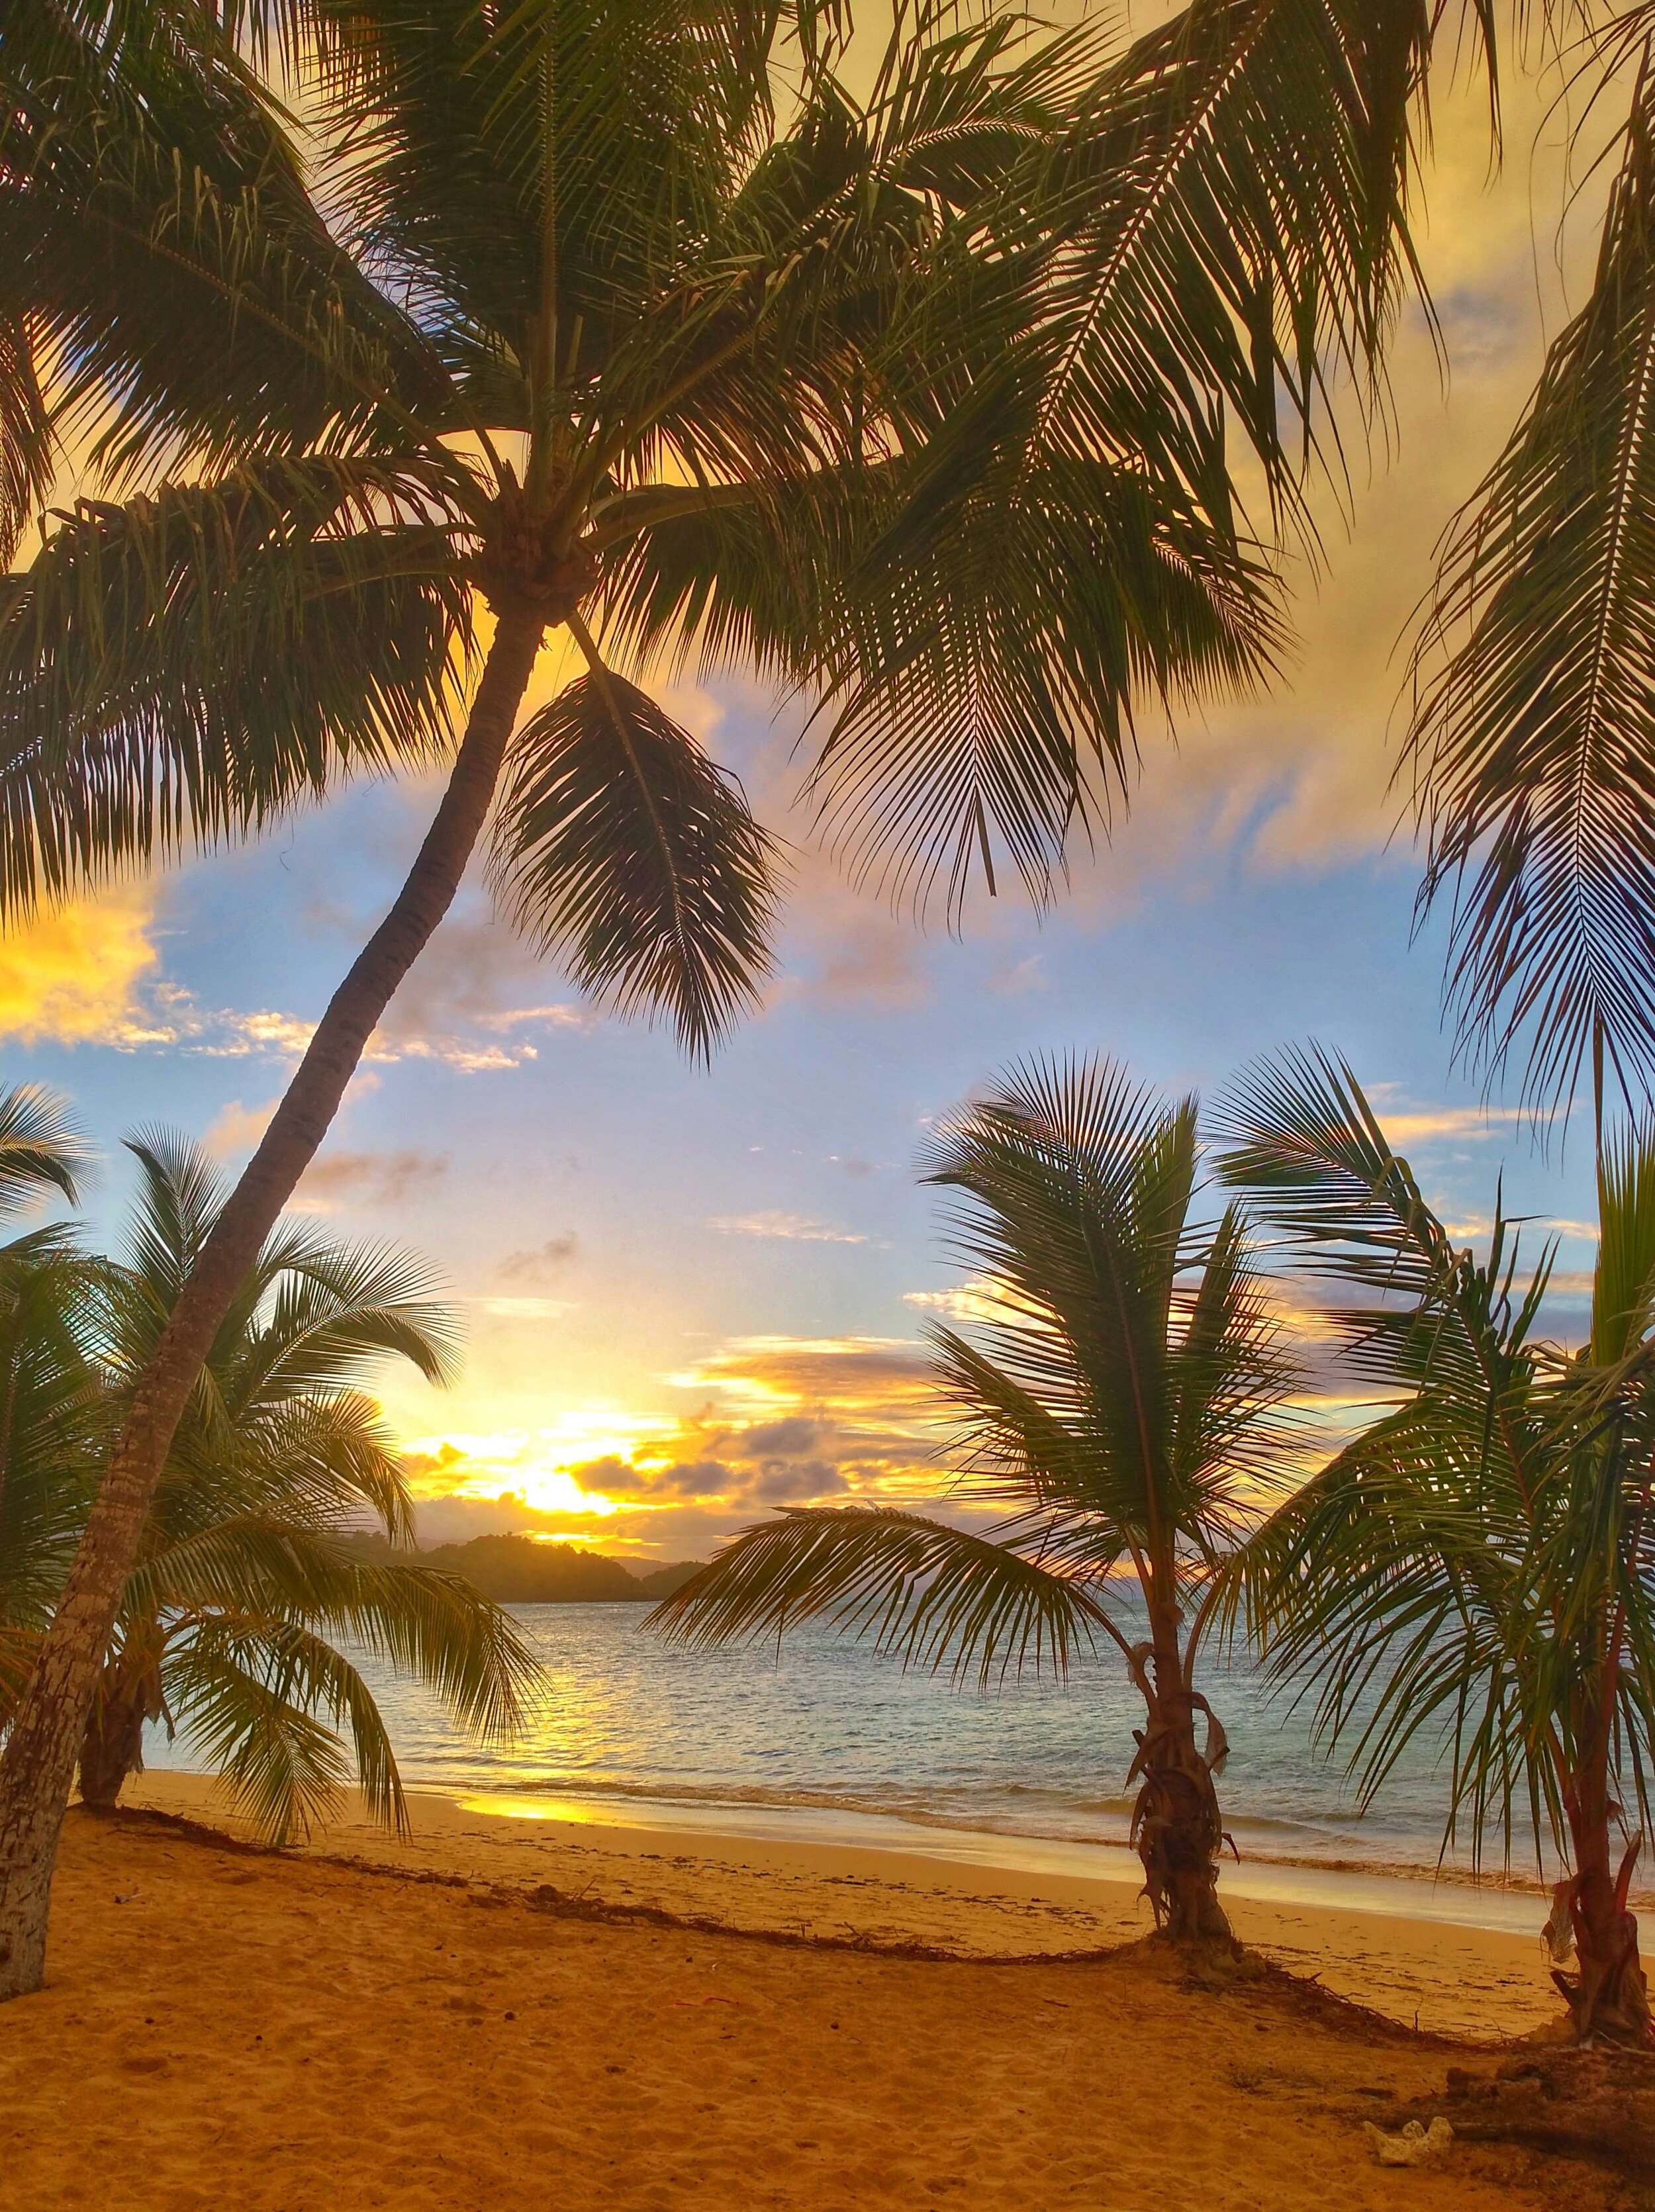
x=1176, y=1826
x=49, y=1723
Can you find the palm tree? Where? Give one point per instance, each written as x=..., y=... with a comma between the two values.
x=1121, y=1402
x=51, y=1415
x=245, y=1571
x=1477, y=1566
x=637, y=321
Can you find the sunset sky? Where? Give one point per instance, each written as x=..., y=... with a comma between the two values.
x=691, y=1296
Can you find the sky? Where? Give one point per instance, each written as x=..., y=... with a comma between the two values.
x=691, y=1296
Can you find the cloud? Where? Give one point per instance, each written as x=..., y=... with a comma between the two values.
x=72, y=974
x=238, y=1129
x=544, y=1261
x=529, y=1309
x=559, y=1016
x=43, y=993
x=772, y=1421
x=1431, y=1125
x=715, y=1483
x=791, y=1437
x=973, y=1301
x=471, y=996
x=795, y=1228
x=1016, y=981
x=368, y=1179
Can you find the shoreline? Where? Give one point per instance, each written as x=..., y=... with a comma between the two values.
x=1473, y=1982
x=1509, y=1900
x=1397, y=1889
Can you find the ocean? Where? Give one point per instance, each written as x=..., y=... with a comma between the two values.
x=824, y=1739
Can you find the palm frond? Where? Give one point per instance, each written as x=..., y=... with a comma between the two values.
x=156, y=232
x=1307, y=1149
x=28, y=444
x=933, y=1595
x=247, y=1696
x=186, y=668
x=1623, y=1281
x=619, y=844
x=1535, y=683
x=40, y=1148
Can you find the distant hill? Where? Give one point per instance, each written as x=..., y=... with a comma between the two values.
x=517, y=1570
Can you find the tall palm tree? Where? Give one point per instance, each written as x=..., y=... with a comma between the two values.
x=1121, y=1402
x=1475, y=1568
x=245, y=1579
x=636, y=320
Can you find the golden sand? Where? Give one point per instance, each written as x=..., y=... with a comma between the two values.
x=442, y=2025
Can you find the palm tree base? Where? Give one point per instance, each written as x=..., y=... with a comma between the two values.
x=112, y=1748
x=1609, y=2000
x=1178, y=1834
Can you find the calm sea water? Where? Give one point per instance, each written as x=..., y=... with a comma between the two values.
x=827, y=1731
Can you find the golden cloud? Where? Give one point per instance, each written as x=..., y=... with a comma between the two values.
x=779, y=1421
x=70, y=975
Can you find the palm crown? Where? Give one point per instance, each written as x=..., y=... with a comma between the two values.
x=1122, y=1400
x=914, y=397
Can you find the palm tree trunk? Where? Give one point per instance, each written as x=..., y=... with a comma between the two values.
x=110, y=1749
x=1608, y=1997
x=1175, y=1822
x=49, y=1723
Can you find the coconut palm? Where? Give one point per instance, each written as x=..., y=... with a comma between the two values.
x=637, y=322
x=1120, y=1401
x=246, y=1581
x=1477, y=1568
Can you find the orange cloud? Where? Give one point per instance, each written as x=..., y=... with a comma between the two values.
x=777, y=1421
x=71, y=975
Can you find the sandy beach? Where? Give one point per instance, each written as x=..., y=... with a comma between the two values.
x=505, y=2013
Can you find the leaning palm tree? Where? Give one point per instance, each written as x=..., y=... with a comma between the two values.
x=636, y=321
x=1121, y=1404
x=1477, y=1568
x=246, y=1581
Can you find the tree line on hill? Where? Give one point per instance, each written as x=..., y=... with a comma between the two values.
x=516, y=1570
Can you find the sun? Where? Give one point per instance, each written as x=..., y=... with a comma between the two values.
x=540, y=1465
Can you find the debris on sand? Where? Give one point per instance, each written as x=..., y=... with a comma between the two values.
x=1415, y=2146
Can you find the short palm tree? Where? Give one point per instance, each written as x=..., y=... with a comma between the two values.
x=1477, y=1567
x=245, y=1583
x=53, y=1419
x=637, y=321
x=1123, y=1403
